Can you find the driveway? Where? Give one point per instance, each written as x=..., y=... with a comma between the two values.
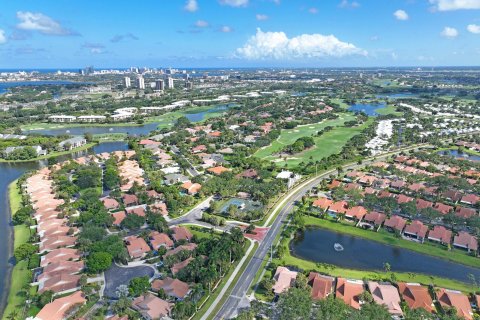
x=118, y=275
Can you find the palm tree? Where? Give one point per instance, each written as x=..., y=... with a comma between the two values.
x=13, y=315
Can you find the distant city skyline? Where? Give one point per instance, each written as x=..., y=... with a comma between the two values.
x=239, y=33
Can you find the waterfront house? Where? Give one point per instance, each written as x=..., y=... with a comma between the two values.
x=440, y=234
x=349, y=291
x=91, y=118
x=284, y=279
x=465, y=241
x=61, y=308
x=62, y=118
x=355, y=213
x=322, y=203
x=416, y=230
x=322, y=286
x=416, y=296
x=395, y=223
x=38, y=150
x=373, y=219
x=387, y=295
x=72, y=143
x=455, y=299
x=337, y=208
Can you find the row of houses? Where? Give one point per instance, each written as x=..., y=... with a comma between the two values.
x=350, y=291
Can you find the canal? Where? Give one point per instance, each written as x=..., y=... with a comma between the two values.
x=317, y=244
x=9, y=172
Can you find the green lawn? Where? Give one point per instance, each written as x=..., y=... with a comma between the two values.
x=390, y=109
x=21, y=275
x=329, y=143
x=389, y=239
x=340, y=102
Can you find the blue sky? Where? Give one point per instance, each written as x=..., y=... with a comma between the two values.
x=238, y=33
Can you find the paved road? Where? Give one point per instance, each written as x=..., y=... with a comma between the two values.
x=238, y=297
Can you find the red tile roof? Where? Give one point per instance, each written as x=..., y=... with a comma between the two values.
x=456, y=299
x=465, y=240
x=322, y=286
x=60, y=308
x=375, y=217
x=395, y=222
x=416, y=296
x=440, y=234
x=181, y=233
x=349, y=290
x=322, y=203
x=172, y=287
x=416, y=228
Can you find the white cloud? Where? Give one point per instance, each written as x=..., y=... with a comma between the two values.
x=35, y=21
x=234, y=3
x=94, y=48
x=276, y=45
x=201, y=24
x=261, y=17
x=449, y=5
x=449, y=32
x=401, y=15
x=313, y=10
x=474, y=28
x=191, y=6
x=226, y=29
x=345, y=4
x=3, y=38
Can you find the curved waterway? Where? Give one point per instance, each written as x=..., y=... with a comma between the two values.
x=9, y=172
x=316, y=244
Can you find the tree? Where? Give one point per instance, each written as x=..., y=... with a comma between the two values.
x=371, y=311
x=295, y=304
x=418, y=314
x=139, y=286
x=24, y=251
x=99, y=261
x=45, y=298
x=132, y=222
x=331, y=309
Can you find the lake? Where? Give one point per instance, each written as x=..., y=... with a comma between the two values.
x=317, y=245
x=459, y=155
x=137, y=130
x=10, y=172
x=367, y=108
x=399, y=95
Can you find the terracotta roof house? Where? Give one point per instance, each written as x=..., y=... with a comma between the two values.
x=322, y=203
x=158, y=240
x=352, y=186
x=185, y=247
x=322, y=286
x=416, y=230
x=338, y=207
x=334, y=184
x=464, y=240
x=153, y=194
x=137, y=210
x=395, y=223
x=284, y=279
x=423, y=204
x=366, y=180
x=177, y=267
x=249, y=173
x=401, y=198
x=385, y=194
x=416, y=296
x=400, y=159
x=110, y=204
x=61, y=308
x=181, y=233
x=387, y=295
x=191, y=188
x=129, y=199
x=60, y=283
x=465, y=213
x=218, y=170
x=160, y=208
x=137, y=247
x=118, y=217
x=457, y=300
x=470, y=199
x=55, y=242
x=349, y=290
x=172, y=287
x=398, y=184
x=442, y=208
x=152, y=307
x=62, y=254
x=369, y=190
x=65, y=267
x=200, y=148
x=440, y=234
x=375, y=218
x=357, y=212
x=416, y=187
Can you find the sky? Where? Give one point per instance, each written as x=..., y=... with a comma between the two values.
x=238, y=33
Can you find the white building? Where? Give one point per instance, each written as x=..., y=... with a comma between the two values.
x=170, y=83
x=62, y=118
x=126, y=82
x=140, y=83
x=92, y=118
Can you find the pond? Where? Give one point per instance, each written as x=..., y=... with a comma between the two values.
x=399, y=95
x=459, y=155
x=135, y=130
x=367, y=108
x=9, y=172
x=317, y=245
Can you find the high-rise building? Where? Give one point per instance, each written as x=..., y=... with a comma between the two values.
x=140, y=83
x=126, y=82
x=159, y=85
x=169, y=83
x=188, y=85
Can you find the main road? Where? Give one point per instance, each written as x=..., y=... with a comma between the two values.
x=238, y=296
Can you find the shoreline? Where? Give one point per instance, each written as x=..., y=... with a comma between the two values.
x=55, y=154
